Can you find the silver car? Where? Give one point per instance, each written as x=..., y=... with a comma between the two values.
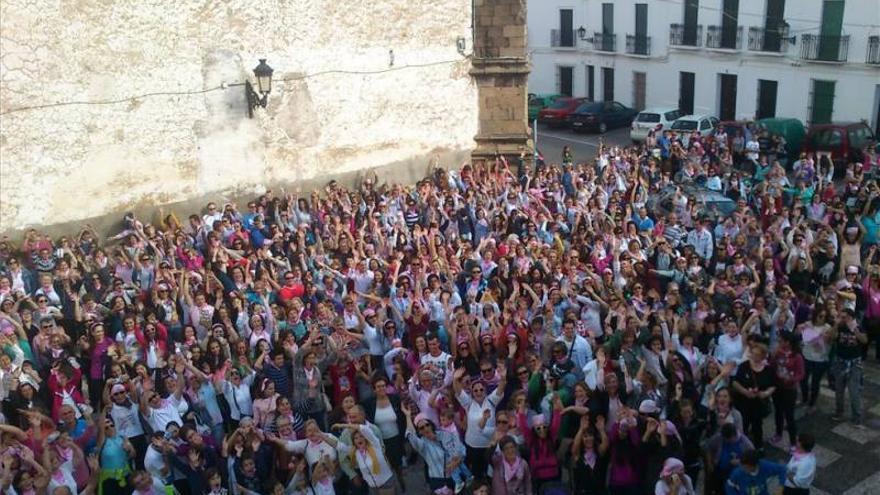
x=710, y=203
x=653, y=118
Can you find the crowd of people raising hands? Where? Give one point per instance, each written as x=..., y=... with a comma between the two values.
x=500, y=328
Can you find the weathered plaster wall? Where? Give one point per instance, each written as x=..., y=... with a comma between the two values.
x=68, y=163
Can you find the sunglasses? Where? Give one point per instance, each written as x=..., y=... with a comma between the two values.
x=487, y=370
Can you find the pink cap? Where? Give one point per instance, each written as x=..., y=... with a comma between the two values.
x=419, y=418
x=117, y=388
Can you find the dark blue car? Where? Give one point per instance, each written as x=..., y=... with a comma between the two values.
x=601, y=116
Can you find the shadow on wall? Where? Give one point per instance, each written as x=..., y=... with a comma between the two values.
x=402, y=172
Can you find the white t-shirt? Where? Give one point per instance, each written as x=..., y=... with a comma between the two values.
x=126, y=420
x=730, y=349
x=441, y=361
x=312, y=452
x=161, y=416
x=386, y=420
x=474, y=436
x=153, y=464
x=239, y=398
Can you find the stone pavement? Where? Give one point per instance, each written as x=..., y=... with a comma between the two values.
x=848, y=458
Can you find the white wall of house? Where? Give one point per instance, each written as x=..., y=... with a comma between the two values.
x=69, y=163
x=857, y=82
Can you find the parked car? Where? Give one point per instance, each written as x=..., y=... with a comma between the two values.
x=843, y=141
x=684, y=126
x=654, y=118
x=601, y=116
x=557, y=113
x=712, y=203
x=540, y=102
x=792, y=130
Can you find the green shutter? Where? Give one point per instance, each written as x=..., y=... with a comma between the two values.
x=823, y=102
x=829, y=33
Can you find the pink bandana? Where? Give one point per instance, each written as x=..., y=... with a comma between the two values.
x=512, y=471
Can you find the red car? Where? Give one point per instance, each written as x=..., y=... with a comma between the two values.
x=845, y=142
x=557, y=113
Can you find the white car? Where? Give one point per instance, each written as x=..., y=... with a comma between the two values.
x=685, y=126
x=653, y=118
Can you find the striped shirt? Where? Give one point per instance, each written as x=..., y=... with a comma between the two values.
x=673, y=234
x=279, y=376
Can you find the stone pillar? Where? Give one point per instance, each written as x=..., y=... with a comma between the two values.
x=500, y=69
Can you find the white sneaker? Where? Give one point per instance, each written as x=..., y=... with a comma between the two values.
x=459, y=487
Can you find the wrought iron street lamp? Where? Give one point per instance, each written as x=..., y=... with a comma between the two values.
x=263, y=74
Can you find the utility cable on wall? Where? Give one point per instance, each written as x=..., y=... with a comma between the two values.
x=224, y=86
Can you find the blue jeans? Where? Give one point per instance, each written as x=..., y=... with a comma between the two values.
x=848, y=374
x=461, y=474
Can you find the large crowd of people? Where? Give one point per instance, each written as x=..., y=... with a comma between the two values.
x=500, y=329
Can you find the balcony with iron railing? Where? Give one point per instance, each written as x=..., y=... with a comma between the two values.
x=873, y=55
x=768, y=40
x=563, y=38
x=724, y=38
x=604, y=42
x=638, y=45
x=824, y=48
x=685, y=35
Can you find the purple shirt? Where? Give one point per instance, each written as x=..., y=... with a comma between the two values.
x=96, y=370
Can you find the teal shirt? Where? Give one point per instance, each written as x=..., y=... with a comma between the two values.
x=872, y=225
x=113, y=456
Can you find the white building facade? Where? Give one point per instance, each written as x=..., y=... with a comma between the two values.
x=814, y=60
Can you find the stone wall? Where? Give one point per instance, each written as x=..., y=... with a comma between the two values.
x=68, y=163
x=501, y=69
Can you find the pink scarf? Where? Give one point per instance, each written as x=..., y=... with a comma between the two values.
x=513, y=471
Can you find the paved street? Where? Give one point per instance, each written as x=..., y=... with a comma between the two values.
x=848, y=458
x=583, y=145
